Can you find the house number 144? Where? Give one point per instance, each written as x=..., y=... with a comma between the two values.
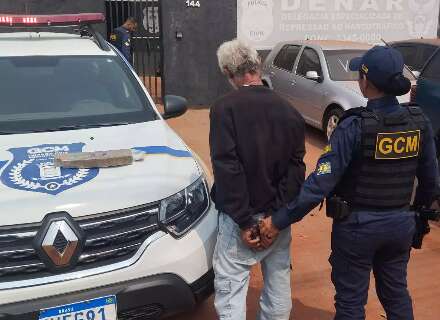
x=192, y=4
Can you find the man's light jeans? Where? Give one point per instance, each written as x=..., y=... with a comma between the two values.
x=232, y=263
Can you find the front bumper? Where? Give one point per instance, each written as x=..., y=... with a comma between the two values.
x=166, y=269
x=146, y=298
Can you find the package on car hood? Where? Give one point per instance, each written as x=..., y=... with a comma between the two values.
x=31, y=186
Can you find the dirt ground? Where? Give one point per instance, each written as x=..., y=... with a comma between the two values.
x=312, y=290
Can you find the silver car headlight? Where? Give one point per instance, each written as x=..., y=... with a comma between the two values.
x=181, y=211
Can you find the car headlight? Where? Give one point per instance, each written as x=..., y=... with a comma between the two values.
x=180, y=212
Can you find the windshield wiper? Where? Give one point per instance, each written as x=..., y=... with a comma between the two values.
x=66, y=128
x=87, y=126
x=10, y=132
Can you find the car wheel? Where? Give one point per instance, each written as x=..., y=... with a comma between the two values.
x=332, y=120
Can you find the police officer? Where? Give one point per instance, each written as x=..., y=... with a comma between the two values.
x=367, y=174
x=121, y=38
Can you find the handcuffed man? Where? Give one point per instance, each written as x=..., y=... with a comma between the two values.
x=257, y=149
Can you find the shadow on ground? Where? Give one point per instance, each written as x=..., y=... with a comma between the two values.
x=315, y=137
x=206, y=311
x=301, y=311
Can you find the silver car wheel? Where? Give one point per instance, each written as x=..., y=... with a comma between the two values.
x=332, y=124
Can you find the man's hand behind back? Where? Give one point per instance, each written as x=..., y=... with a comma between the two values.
x=251, y=239
x=436, y=204
x=268, y=232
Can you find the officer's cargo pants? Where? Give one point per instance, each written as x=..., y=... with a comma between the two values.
x=372, y=241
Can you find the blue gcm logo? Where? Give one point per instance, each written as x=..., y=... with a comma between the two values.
x=32, y=169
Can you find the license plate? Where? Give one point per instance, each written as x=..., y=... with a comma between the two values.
x=103, y=308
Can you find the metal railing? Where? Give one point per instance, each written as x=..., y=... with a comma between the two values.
x=146, y=44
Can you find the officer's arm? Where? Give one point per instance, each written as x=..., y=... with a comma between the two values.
x=329, y=171
x=427, y=172
x=126, y=48
x=116, y=39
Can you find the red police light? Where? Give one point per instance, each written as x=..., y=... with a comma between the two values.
x=51, y=20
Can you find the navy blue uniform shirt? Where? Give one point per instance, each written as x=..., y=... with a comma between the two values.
x=345, y=142
x=121, y=39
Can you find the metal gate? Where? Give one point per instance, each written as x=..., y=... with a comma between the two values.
x=146, y=42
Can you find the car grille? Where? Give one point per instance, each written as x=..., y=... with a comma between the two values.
x=110, y=238
x=150, y=312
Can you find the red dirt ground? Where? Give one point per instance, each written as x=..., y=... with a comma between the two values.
x=312, y=289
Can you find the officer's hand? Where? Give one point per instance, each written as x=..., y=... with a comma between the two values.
x=436, y=205
x=248, y=238
x=268, y=232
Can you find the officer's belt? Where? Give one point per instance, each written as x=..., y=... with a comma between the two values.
x=378, y=209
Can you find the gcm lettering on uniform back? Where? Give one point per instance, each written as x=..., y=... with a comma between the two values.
x=397, y=145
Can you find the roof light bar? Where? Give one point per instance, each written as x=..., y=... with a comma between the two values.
x=51, y=20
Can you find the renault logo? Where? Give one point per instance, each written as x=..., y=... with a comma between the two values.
x=60, y=243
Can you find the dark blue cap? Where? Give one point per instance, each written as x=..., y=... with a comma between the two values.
x=379, y=64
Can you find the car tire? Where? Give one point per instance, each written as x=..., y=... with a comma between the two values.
x=331, y=121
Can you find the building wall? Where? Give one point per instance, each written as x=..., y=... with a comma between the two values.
x=190, y=64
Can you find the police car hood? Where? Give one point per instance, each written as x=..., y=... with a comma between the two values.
x=31, y=187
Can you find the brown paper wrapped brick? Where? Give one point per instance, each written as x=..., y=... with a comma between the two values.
x=98, y=159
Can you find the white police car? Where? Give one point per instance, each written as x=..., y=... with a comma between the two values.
x=130, y=242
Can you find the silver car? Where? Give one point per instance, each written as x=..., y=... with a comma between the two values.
x=315, y=77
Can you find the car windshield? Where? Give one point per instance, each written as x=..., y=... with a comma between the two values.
x=41, y=93
x=432, y=69
x=338, y=62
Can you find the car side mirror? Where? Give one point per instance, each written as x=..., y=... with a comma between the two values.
x=313, y=75
x=174, y=106
x=416, y=73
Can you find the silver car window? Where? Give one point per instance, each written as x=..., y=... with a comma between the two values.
x=286, y=57
x=309, y=61
x=338, y=62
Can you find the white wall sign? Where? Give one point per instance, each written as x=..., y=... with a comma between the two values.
x=267, y=22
